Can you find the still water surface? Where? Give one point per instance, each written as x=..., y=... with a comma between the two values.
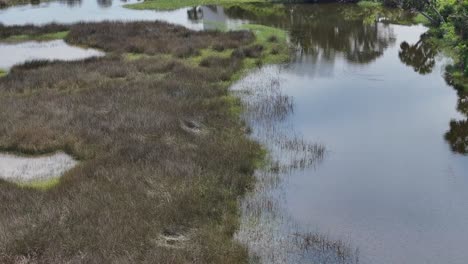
x=17, y=53
x=394, y=178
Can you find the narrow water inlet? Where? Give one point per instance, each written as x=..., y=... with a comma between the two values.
x=17, y=53
x=24, y=169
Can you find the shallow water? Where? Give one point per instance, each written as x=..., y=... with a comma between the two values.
x=94, y=11
x=28, y=168
x=389, y=183
x=17, y=53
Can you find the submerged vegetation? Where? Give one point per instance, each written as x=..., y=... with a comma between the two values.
x=163, y=153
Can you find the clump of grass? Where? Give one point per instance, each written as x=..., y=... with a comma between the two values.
x=273, y=39
x=274, y=52
x=254, y=51
x=3, y=73
x=142, y=172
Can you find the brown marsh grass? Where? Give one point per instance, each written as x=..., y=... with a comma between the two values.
x=149, y=187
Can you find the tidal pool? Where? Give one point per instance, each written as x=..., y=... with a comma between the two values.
x=17, y=53
x=24, y=169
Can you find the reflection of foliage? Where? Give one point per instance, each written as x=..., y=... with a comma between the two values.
x=71, y=3
x=195, y=13
x=420, y=56
x=326, y=30
x=457, y=136
x=104, y=3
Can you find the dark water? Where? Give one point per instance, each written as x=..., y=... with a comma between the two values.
x=393, y=179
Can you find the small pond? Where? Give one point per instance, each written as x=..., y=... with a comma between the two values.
x=17, y=53
x=26, y=169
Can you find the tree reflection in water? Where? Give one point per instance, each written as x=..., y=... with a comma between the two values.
x=325, y=32
x=457, y=136
x=420, y=56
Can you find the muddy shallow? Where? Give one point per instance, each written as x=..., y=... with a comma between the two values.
x=27, y=168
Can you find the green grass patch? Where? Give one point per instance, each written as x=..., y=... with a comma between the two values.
x=42, y=185
x=420, y=19
x=42, y=37
x=3, y=73
x=369, y=4
x=175, y=4
x=205, y=53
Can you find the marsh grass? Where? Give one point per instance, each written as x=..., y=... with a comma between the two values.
x=146, y=174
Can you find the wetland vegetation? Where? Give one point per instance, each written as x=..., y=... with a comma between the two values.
x=164, y=155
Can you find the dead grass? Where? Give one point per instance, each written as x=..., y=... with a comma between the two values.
x=143, y=176
x=153, y=38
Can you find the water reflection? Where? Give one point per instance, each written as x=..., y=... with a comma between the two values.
x=384, y=184
x=457, y=136
x=104, y=3
x=420, y=56
x=323, y=32
x=17, y=53
x=195, y=13
x=71, y=3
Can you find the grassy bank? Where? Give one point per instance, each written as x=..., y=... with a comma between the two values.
x=163, y=154
x=174, y=4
